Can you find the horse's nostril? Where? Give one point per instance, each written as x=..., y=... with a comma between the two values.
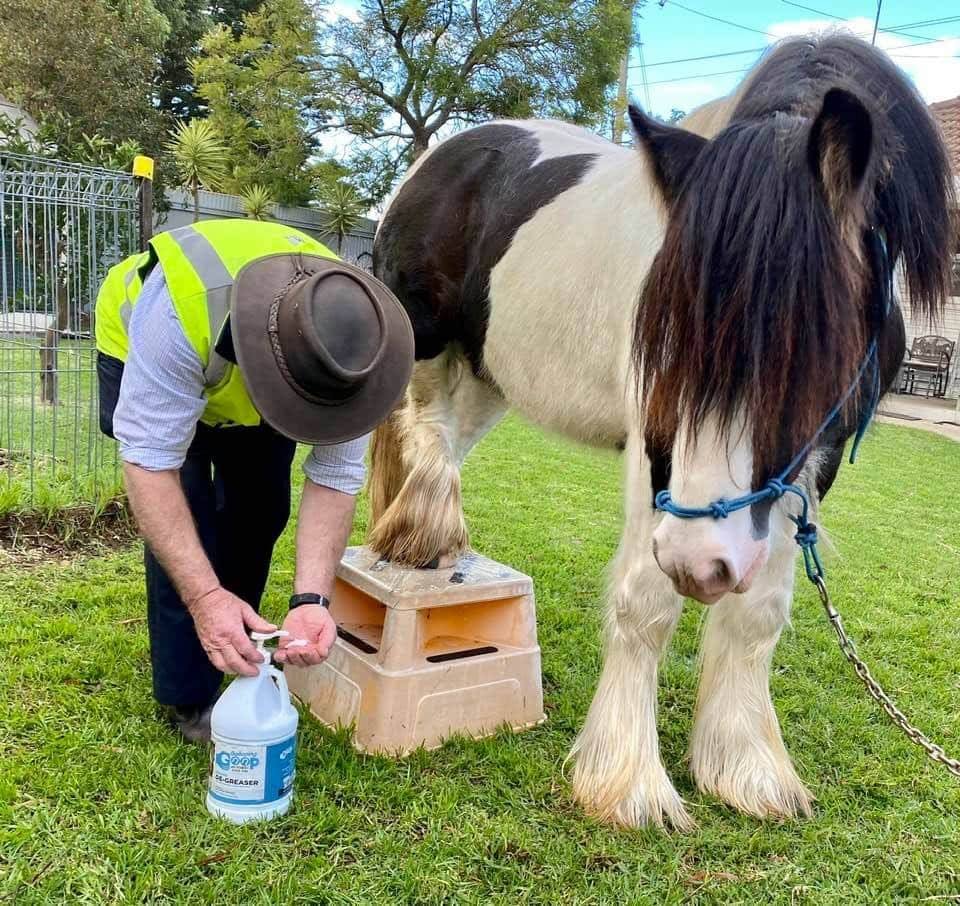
x=722, y=572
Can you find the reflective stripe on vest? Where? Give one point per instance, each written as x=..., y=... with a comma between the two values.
x=126, y=308
x=201, y=254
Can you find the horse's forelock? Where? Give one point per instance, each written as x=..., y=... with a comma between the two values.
x=747, y=307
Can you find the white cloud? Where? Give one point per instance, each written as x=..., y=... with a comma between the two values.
x=684, y=95
x=934, y=67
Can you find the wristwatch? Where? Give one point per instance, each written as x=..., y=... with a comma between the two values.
x=309, y=598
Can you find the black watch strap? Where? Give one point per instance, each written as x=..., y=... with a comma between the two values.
x=309, y=598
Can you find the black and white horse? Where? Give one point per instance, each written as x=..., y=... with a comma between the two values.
x=701, y=302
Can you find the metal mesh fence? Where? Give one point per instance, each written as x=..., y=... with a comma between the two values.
x=62, y=226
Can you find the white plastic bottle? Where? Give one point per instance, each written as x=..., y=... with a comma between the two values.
x=253, y=731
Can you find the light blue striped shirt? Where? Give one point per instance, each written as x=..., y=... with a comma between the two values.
x=162, y=398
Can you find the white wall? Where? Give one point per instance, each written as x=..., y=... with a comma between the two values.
x=27, y=124
x=357, y=246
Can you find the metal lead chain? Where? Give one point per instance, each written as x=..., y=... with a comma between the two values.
x=876, y=690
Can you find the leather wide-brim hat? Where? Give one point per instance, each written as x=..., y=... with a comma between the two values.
x=324, y=348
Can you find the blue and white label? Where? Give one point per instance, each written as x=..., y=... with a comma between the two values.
x=252, y=775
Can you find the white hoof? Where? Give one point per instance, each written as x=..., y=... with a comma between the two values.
x=653, y=801
x=615, y=798
x=753, y=776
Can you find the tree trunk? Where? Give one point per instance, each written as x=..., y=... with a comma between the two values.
x=620, y=108
x=620, y=105
x=196, y=200
x=51, y=344
x=420, y=142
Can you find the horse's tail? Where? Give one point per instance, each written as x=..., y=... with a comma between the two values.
x=387, y=469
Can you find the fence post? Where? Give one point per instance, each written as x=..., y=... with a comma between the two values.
x=143, y=171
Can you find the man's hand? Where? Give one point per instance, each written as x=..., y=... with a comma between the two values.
x=313, y=623
x=222, y=620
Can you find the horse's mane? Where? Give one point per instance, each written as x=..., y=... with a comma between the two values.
x=757, y=300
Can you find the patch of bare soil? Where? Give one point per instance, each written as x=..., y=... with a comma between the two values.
x=31, y=538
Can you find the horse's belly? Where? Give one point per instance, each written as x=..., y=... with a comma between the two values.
x=564, y=379
x=560, y=357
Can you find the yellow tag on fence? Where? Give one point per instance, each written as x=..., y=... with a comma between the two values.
x=143, y=166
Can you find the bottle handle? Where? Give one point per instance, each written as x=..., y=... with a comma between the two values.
x=281, y=682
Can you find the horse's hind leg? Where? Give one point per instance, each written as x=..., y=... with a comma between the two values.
x=736, y=751
x=447, y=410
x=619, y=775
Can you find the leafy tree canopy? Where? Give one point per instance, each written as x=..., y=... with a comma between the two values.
x=82, y=67
x=404, y=71
x=256, y=85
x=189, y=21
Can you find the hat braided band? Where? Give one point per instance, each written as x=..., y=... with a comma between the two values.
x=273, y=333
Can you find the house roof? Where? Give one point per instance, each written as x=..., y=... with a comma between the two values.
x=947, y=115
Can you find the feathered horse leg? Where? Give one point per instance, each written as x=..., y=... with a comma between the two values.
x=417, y=509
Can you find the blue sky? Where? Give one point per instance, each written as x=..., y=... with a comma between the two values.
x=929, y=52
x=672, y=32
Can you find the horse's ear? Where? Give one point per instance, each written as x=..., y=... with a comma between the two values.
x=671, y=151
x=840, y=147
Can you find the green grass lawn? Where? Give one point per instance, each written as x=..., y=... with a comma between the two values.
x=99, y=803
x=52, y=456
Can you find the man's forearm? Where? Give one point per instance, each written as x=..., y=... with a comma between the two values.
x=167, y=526
x=323, y=528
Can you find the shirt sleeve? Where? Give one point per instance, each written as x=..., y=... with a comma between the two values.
x=338, y=466
x=162, y=391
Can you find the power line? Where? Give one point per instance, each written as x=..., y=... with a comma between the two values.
x=700, y=75
x=706, y=75
x=697, y=12
x=895, y=30
x=643, y=70
x=889, y=50
x=925, y=23
x=709, y=56
x=920, y=23
x=928, y=23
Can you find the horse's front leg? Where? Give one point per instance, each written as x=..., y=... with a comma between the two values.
x=736, y=750
x=619, y=775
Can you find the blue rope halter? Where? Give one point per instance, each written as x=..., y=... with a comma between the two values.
x=775, y=488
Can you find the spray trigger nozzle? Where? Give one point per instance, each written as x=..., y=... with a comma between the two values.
x=261, y=637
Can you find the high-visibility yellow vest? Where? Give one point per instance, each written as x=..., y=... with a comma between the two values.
x=199, y=265
x=120, y=288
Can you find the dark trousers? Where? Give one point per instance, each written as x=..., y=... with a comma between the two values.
x=237, y=483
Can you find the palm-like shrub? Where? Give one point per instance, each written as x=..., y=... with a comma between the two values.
x=200, y=157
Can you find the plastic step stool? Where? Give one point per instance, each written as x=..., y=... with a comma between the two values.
x=423, y=654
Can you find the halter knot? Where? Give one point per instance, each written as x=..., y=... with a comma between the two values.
x=776, y=487
x=720, y=509
x=806, y=535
